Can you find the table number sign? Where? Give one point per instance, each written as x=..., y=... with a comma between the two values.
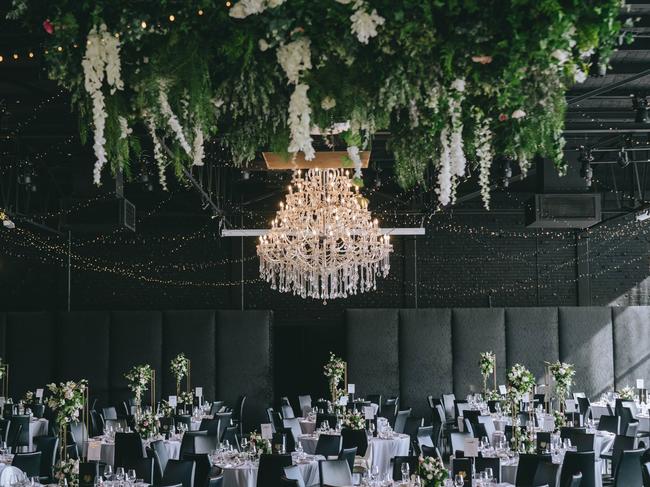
x=266, y=430
x=502, y=390
x=369, y=413
x=94, y=451
x=173, y=401
x=639, y=383
x=39, y=393
x=351, y=388
x=471, y=447
x=198, y=391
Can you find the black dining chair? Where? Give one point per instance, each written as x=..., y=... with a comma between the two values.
x=322, y=417
x=187, y=443
x=179, y=472
x=399, y=461
x=110, y=413
x=202, y=468
x=167, y=425
x=184, y=419
x=216, y=407
x=430, y=451
x=526, y=469
x=578, y=462
x=144, y=469
x=48, y=446
x=238, y=413
x=293, y=473
x=19, y=432
x=230, y=435
x=355, y=438
x=225, y=420
x=304, y=402
x=5, y=425
x=348, y=454
x=546, y=473
x=333, y=473
x=628, y=472
x=284, y=435
x=29, y=463
x=621, y=443
x=411, y=428
x=128, y=450
x=211, y=426
x=271, y=469
x=328, y=445
x=205, y=443
x=400, y=420
x=161, y=458
x=425, y=436
x=610, y=423
x=646, y=474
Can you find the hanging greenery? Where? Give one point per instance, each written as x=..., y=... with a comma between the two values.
x=454, y=82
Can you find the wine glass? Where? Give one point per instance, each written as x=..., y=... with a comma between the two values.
x=489, y=474
x=459, y=481
x=119, y=474
x=405, y=472
x=108, y=472
x=131, y=475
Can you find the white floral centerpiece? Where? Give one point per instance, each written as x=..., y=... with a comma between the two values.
x=28, y=398
x=261, y=445
x=559, y=419
x=179, y=367
x=432, y=472
x=166, y=410
x=487, y=364
x=520, y=381
x=627, y=393
x=67, y=471
x=354, y=421
x=147, y=424
x=563, y=376
x=334, y=371
x=139, y=378
x=186, y=399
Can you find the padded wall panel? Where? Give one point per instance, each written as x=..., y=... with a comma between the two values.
x=586, y=340
x=193, y=333
x=532, y=337
x=244, y=363
x=83, y=339
x=3, y=335
x=30, y=351
x=372, y=350
x=476, y=330
x=631, y=344
x=425, y=361
x=136, y=338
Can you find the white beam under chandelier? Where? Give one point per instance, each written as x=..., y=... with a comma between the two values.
x=323, y=242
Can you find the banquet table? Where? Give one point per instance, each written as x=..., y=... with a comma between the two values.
x=107, y=449
x=10, y=476
x=245, y=474
x=380, y=450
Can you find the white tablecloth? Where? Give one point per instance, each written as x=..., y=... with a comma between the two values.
x=379, y=450
x=307, y=427
x=246, y=476
x=173, y=448
x=10, y=475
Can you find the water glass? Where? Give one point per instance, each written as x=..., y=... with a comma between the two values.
x=459, y=481
x=119, y=474
x=108, y=472
x=405, y=472
x=131, y=475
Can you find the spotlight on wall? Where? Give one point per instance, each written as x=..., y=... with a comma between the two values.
x=586, y=171
x=640, y=105
x=623, y=158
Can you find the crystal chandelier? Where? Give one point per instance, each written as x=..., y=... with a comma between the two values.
x=323, y=242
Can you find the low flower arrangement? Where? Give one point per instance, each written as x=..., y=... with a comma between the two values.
x=354, y=421
x=491, y=395
x=165, y=409
x=431, y=471
x=334, y=371
x=260, y=444
x=179, y=367
x=147, y=424
x=139, y=378
x=563, y=374
x=627, y=393
x=28, y=398
x=67, y=470
x=185, y=398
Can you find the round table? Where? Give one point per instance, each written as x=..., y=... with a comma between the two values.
x=379, y=449
x=245, y=475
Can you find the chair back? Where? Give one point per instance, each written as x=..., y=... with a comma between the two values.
x=584, y=441
x=19, y=431
x=481, y=463
x=205, y=444
x=187, y=443
x=238, y=411
x=578, y=462
x=425, y=436
x=355, y=438
x=211, y=426
x=30, y=463
x=632, y=429
x=610, y=423
x=583, y=405
x=271, y=469
x=374, y=399
x=4, y=430
x=167, y=425
x=161, y=457
x=646, y=474
x=293, y=473
x=627, y=472
x=458, y=441
x=430, y=451
x=201, y=468
x=328, y=445
x=128, y=450
x=621, y=443
x=294, y=425
x=400, y=420
x=285, y=436
x=144, y=469
x=526, y=469
x=348, y=454
x=304, y=402
x=322, y=417
x=287, y=411
x=412, y=462
x=546, y=473
x=185, y=419
x=216, y=407
x=110, y=412
x=179, y=472
x=48, y=446
x=230, y=435
x=448, y=401
x=334, y=473
x=225, y=421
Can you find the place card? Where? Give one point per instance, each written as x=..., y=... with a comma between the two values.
x=266, y=430
x=94, y=451
x=198, y=391
x=39, y=393
x=369, y=412
x=471, y=447
x=639, y=383
x=502, y=390
x=350, y=388
x=173, y=401
x=343, y=401
x=525, y=397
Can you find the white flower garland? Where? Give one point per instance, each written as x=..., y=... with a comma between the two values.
x=158, y=153
x=364, y=24
x=244, y=8
x=299, y=122
x=444, y=188
x=458, y=161
x=295, y=58
x=197, y=147
x=484, y=157
x=102, y=56
x=353, y=154
x=172, y=120
x=125, y=130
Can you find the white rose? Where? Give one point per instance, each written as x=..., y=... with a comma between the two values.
x=519, y=113
x=561, y=55
x=263, y=45
x=580, y=76
x=458, y=85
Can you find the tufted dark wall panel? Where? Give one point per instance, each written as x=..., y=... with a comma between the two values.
x=532, y=337
x=631, y=344
x=476, y=330
x=136, y=338
x=372, y=350
x=425, y=357
x=192, y=332
x=30, y=351
x=244, y=361
x=83, y=339
x=586, y=340
x=3, y=335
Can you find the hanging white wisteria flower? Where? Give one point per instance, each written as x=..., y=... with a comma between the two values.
x=484, y=158
x=364, y=24
x=102, y=57
x=158, y=153
x=295, y=58
x=327, y=103
x=244, y=8
x=444, y=188
x=353, y=154
x=300, y=122
x=198, y=150
x=457, y=154
x=172, y=119
x=125, y=130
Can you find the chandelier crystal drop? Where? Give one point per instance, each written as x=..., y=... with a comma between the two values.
x=323, y=242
